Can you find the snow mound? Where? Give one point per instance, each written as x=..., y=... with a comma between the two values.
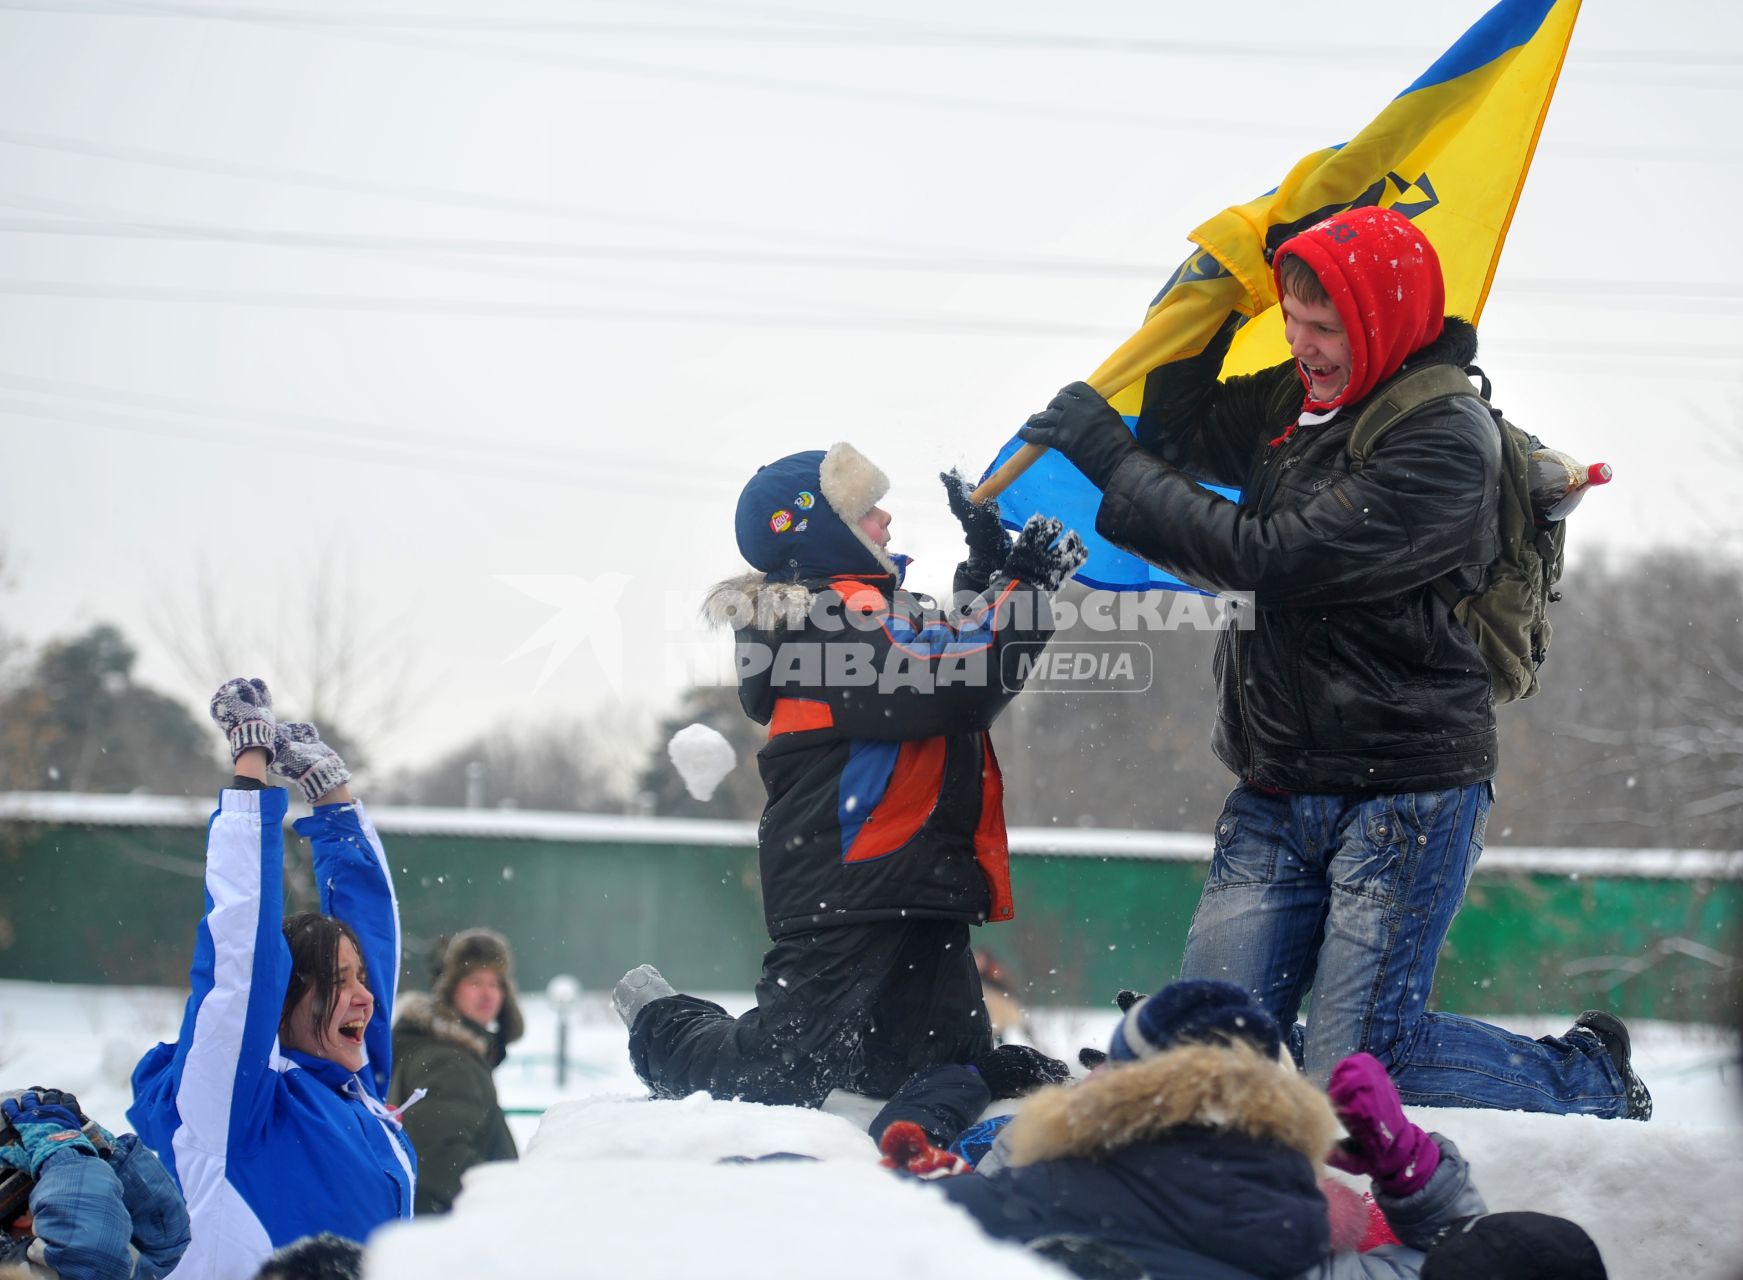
x=1659, y=1198
x=601, y=1194
x=621, y=1187
x=702, y=757
x=695, y=1130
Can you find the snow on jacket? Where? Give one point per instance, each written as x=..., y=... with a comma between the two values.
x=1354, y=676
x=458, y=1122
x=1200, y=1162
x=270, y=1144
x=118, y=1217
x=884, y=796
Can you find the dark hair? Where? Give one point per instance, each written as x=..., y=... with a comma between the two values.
x=1299, y=279
x=322, y=1257
x=314, y=947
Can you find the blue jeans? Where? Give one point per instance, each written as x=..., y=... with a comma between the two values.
x=1350, y=897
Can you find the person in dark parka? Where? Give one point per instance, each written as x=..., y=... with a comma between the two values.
x=1196, y=1152
x=446, y=1044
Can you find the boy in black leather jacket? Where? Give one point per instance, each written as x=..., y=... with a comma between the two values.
x=1357, y=712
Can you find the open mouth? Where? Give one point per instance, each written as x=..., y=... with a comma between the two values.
x=352, y=1032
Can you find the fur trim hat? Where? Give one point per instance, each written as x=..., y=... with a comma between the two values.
x=798, y=517
x=471, y=950
x=1196, y=1011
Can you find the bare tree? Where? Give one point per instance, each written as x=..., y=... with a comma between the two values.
x=574, y=764
x=337, y=654
x=1637, y=738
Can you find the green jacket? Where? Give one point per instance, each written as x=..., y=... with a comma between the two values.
x=458, y=1123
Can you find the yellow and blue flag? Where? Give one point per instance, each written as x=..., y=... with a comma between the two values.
x=1450, y=153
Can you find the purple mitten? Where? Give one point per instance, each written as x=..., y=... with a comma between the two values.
x=307, y=761
x=243, y=710
x=1398, y=1155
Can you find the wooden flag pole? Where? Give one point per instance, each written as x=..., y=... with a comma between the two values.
x=1006, y=476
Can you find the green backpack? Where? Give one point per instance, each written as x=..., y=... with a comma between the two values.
x=1508, y=615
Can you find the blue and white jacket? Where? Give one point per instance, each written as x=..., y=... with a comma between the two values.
x=270, y=1144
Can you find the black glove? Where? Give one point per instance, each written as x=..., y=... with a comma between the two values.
x=1093, y=1058
x=1085, y=428
x=1011, y=1070
x=1034, y=558
x=988, y=543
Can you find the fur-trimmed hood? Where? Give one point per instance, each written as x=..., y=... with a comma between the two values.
x=1231, y=1088
x=420, y=1013
x=752, y=600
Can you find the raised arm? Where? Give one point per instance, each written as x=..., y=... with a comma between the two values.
x=221, y=1072
x=352, y=875
x=893, y=675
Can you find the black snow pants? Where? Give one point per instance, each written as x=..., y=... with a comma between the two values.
x=858, y=1007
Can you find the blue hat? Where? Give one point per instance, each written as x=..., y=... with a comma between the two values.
x=799, y=516
x=1196, y=1011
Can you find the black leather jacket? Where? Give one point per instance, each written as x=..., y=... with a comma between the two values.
x=1354, y=675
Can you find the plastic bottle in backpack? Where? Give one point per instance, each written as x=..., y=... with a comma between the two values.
x=1558, y=482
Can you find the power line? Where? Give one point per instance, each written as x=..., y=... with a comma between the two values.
x=544, y=274
x=863, y=30
x=963, y=264
x=910, y=324
x=1623, y=292
x=351, y=430
x=1694, y=356
x=486, y=463
x=416, y=192
x=1108, y=118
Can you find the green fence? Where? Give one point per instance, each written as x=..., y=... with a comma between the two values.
x=107, y=890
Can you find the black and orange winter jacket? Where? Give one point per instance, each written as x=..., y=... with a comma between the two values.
x=884, y=796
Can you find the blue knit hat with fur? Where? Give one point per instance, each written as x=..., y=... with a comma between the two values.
x=1195, y=1011
x=798, y=517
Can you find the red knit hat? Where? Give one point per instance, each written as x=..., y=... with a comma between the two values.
x=1384, y=277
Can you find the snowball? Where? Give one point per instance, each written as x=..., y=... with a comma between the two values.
x=702, y=757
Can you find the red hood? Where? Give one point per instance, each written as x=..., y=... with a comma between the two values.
x=1384, y=278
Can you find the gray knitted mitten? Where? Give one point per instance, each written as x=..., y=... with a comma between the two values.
x=307, y=761
x=243, y=710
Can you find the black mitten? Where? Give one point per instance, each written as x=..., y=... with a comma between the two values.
x=988, y=543
x=1012, y=1070
x=1035, y=558
x=1084, y=427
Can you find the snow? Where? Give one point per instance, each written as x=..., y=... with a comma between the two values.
x=613, y=1189
x=612, y=1185
x=703, y=757
x=1075, y=842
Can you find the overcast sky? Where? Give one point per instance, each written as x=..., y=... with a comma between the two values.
x=485, y=312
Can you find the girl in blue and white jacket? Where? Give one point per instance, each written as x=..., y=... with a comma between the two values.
x=268, y=1110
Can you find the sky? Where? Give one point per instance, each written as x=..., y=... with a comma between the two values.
x=458, y=327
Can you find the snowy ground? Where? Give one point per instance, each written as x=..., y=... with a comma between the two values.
x=617, y=1188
